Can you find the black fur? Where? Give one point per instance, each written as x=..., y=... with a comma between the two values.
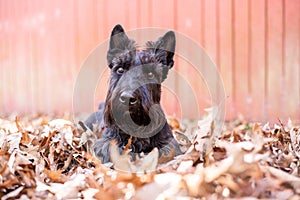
x=134, y=89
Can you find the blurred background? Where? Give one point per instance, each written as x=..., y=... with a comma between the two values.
x=255, y=45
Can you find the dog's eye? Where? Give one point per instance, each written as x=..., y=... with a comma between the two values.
x=120, y=70
x=150, y=75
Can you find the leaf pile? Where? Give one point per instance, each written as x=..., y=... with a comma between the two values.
x=44, y=158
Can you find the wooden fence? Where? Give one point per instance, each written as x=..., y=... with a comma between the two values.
x=255, y=45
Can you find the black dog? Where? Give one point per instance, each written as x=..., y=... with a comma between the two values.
x=132, y=107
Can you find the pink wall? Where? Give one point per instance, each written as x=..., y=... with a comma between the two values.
x=255, y=44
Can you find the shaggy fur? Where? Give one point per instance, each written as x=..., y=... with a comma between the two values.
x=135, y=87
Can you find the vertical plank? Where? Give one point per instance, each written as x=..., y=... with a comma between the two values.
x=7, y=62
x=2, y=57
x=145, y=8
x=85, y=36
x=6, y=58
x=210, y=40
x=116, y=14
x=134, y=13
x=102, y=88
x=233, y=56
x=204, y=98
x=213, y=44
x=218, y=46
x=274, y=77
x=76, y=35
x=266, y=59
x=258, y=59
x=54, y=12
x=240, y=58
x=217, y=27
x=9, y=74
x=226, y=53
x=98, y=21
x=283, y=81
x=210, y=29
x=47, y=62
x=171, y=101
x=40, y=75
x=249, y=61
x=188, y=23
x=291, y=55
x=299, y=61
x=102, y=14
x=163, y=14
x=30, y=37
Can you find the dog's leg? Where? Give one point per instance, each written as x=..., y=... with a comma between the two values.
x=95, y=118
x=170, y=149
x=101, y=149
x=102, y=145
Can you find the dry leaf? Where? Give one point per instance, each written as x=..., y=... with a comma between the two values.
x=126, y=149
x=69, y=189
x=194, y=183
x=185, y=166
x=55, y=176
x=174, y=123
x=166, y=158
x=59, y=123
x=13, y=194
x=14, y=140
x=41, y=160
x=124, y=161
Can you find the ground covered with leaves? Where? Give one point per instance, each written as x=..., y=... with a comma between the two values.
x=44, y=157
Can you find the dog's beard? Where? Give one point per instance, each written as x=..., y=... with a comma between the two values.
x=138, y=121
x=138, y=115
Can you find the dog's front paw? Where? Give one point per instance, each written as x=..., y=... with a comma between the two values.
x=101, y=149
x=169, y=151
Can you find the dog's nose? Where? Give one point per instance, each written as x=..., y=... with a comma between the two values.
x=127, y=98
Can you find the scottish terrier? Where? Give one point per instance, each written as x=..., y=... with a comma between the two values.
x=132, y=112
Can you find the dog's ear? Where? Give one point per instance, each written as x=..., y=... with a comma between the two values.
x=118, y=43
x=165, y=49
x=118, y=38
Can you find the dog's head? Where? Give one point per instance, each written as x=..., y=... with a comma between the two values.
x=136, y=76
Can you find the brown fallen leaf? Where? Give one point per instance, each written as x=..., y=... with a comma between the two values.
x=247, y=160
x=185, y=166
x=59, y=123
x=217, y=169
x=19, y=127
x=70, y=189
x=126, y=149
x=9, y=183
x=164, y=185
x=87, y=138
x=205, y=136
x=121, y=162
x=25, y=139
x=55, y=175
x=182, y=140
x=295, y=140
x=174, y=123
x=166, y=158
x=13, y=194
x=14, y=140
x=284, y=177
x=194, y=184
x=124, y=163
